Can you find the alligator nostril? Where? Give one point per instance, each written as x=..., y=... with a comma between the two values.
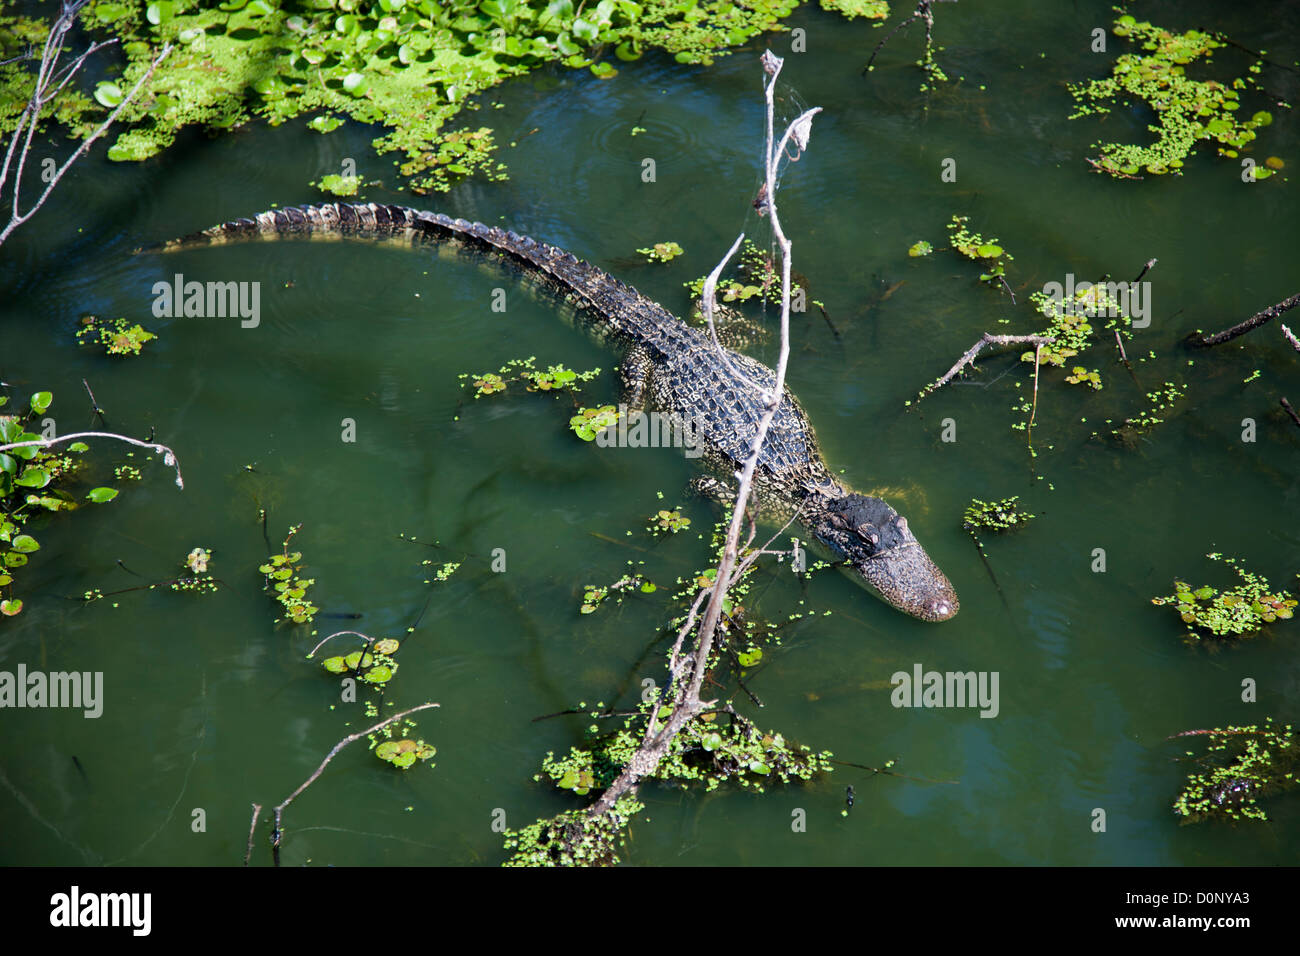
x=940, y=609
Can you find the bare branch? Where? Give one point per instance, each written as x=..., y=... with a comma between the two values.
x=367, y=638
x=1289, y=410
x=279, y=832
x=257, y=811
x=1201, y=340
x=686, y=702
x=1290, y=337
x=709, y=303
x=986, y=339
x=922, y=12
x=169, y=456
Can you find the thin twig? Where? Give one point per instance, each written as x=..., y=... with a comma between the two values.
x=1225, y=733
x=979, y=547
x=1003, y=279
x=922, y=12
x=1038, y=349
x=257, y=810
x=1223, y=38
x=891, y=773
x=94, y=404
x=709, y=303
x=369, y=640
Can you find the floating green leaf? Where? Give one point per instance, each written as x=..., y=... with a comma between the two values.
x=108, y=94
x=33, y=477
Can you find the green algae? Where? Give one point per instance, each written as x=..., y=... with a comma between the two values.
x=1001, y=515
x=573, y=838
x=116, y=336
x=1070, y=325
x=870, y=9
x=1231, y=612
x=1243, y=766
x=662, y=251
x=408, y=67
x=337, y=185
x=289, y=587
x=987, y=252
x=1187, y=111
x=711, y=749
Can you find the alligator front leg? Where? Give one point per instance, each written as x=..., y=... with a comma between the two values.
x=713, y=489
x=635, y=371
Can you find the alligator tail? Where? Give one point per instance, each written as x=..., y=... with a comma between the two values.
x=619, y=308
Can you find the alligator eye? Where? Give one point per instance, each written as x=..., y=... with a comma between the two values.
x=902, y=524
x=868, y=533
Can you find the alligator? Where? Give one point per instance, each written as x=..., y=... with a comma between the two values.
x=672, y=368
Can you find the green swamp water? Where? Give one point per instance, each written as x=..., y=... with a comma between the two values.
x=208, y=705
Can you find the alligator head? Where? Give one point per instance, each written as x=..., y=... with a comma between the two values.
x=883, y=555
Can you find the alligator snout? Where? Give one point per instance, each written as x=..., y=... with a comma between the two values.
x=907, y=579
x=879, y=547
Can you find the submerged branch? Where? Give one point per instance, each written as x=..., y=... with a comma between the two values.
x=1201, y=340
x=278, y=833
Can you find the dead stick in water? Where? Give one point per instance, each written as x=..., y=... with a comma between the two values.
x=1289, y=410
x=1201, y=340
x=94, y=404
x=257, y=810
x=278, y=833
x=985, y=339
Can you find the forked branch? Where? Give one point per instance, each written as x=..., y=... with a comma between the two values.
x=686, y=703
x=51, y=78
